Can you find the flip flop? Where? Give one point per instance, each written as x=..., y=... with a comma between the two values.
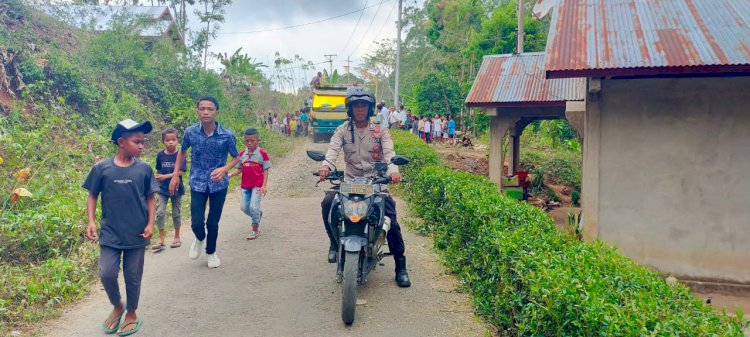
x=176, y=244
x=253, y=235
x=108, y=320
x=157, y=248
x=137, y=323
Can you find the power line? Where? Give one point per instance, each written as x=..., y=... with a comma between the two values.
x=302, y=24
x=381, y=27
x=368, y=29
x=355, y=27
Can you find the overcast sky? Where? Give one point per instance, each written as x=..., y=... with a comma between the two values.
x=346, y=36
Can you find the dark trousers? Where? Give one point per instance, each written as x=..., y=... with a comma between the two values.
x=198, y=212
x=395, y=240
x=132, y=270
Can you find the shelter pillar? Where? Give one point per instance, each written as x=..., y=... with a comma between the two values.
x=590, y=175
x=499, y=126
x=574, y=113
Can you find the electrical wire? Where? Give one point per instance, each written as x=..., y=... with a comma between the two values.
x=298, y=25
x=354, y=30
x=366, y=31
x=381, y=27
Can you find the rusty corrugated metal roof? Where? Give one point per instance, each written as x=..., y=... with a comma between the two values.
x=648, y=37
x=518, y=80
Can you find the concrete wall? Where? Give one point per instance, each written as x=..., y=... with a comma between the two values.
x=671, y=173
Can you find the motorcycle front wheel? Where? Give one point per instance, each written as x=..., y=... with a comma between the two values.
x=349, y=285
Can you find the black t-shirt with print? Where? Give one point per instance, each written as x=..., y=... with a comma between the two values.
x=165, y=165
x=123, y=192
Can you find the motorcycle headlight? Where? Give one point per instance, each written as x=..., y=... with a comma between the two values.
x=355, y=210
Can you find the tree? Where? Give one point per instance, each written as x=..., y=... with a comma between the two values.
x=381, y=63
x=241, y=72
x=213, y=13
x=498, y=34
x=437, y=94
x=179, y=11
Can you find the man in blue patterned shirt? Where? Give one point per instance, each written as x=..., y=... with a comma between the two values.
x=208, y=175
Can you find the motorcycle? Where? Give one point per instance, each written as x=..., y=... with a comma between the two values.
x=358, y=212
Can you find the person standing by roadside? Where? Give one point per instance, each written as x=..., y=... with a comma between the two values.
x=275, y=123
x=415, y=124
x=303, y=119
x=394, y=119
x=420, y=128
x=293, y=127
x=437, y=130
x=427, y=129
x=285, y=125
x=451, y=130
x=210, y=143
x=127, y=187
x=384, y=116
x=164, y=171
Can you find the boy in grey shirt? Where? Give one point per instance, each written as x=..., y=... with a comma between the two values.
x=127, y=186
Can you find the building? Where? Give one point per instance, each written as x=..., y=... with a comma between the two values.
x=667, y=128
x=514, y=92
x=147, y=21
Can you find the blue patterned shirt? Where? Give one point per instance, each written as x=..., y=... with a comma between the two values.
x=209, y=153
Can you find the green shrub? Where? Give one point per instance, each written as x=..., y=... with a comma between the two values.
x=575, y=198
x=529, y=279
x=560, y=167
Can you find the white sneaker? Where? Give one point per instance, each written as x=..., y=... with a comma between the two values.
x=213, y=260
x=195, y=249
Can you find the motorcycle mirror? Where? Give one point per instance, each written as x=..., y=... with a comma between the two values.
x=316, y=155
x=399, y=160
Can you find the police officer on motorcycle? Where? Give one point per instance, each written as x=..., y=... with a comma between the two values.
x=364, y=143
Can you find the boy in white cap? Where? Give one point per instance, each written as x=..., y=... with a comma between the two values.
x=127, y=187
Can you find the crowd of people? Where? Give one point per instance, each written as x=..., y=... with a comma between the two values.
x=438, y=128
x=296, y=124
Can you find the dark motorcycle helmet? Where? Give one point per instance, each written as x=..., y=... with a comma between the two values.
x=359, y=93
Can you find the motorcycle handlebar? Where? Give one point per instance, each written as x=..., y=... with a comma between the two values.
x=381, y=180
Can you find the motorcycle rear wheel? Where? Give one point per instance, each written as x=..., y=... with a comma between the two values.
x=349, y=287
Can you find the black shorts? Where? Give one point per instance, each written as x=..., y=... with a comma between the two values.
x=450, y=135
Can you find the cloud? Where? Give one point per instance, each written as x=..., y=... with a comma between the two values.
x=310, y=42
x=289, y=11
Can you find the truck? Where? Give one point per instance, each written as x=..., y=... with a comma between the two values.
x=328, y=111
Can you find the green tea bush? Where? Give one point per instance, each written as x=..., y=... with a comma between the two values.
x=529, y=279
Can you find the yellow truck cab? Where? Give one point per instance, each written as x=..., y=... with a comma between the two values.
x=328, y=111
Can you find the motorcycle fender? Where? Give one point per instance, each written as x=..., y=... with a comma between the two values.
x=354, y=243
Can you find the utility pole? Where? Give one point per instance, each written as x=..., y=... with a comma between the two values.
x=398, y=56
x=519, y=34
x=330, y=63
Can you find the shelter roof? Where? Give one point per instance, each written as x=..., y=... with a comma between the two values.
x=648, y=38
x=156, y=20
x=517, y=80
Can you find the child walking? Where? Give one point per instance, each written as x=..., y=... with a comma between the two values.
x=164, y=171
x=127, y=187
x=254, y=165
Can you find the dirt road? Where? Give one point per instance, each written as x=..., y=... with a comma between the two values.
x=281, y=284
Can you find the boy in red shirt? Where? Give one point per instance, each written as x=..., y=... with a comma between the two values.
x=254, y=165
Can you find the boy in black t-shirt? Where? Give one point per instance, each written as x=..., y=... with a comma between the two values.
x=127, y=187
x=164, y=171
